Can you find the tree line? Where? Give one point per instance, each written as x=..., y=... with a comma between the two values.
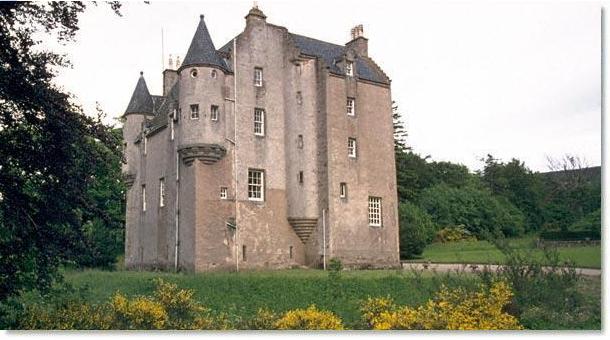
x=503, y=197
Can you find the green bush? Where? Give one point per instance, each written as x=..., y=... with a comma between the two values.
x=475, y=208
x=591, y=223
x=416, y=230
x=453, y=234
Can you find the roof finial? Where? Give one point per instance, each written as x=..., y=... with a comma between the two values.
x=201, y=16
x=255, y=4
x=141, y=73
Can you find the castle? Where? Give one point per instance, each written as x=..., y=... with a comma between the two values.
x=274, y=151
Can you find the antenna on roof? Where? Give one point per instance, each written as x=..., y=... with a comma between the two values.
x=162, y=51
x=255, y=4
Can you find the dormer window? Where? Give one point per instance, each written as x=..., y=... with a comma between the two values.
x=258, y=77
x=349, y=68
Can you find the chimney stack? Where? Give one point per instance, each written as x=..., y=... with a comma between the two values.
x=359, y=43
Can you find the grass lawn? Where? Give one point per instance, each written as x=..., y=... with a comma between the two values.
x=242, y=294
x=485, y=252
x=245, y=292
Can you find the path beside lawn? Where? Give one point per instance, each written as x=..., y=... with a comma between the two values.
x=483, y=252
x=473, y=268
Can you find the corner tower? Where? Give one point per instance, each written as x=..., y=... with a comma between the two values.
x=140, y=106
x=204, y=132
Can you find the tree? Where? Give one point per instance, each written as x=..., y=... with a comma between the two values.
x=474, y=207
x=416, y=230
x=47, y=147
x=571, y=191
x=515, y=182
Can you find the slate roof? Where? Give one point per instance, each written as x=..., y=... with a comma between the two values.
x=141, y=100
x=166, y=105
x=202, y=50
x=331, y=54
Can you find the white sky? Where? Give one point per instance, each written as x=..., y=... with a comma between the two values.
x=514, y=79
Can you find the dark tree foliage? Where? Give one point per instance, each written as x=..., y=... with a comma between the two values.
x=416, y=230
x=48, y=148
x=570, y=192
x=515, y=182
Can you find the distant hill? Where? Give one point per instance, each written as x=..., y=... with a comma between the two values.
x=590, y=174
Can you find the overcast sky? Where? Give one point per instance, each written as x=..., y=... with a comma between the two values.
x=513, y=79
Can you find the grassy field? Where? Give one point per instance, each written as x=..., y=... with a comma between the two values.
x=485, y=252
x=243, y=293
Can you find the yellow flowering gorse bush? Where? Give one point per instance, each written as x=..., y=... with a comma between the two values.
x=455, y=309
x=309, y=319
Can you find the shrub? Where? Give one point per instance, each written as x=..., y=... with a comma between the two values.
x=309, y=319
x=137, y=313
x=589, y=223
x=454, y=233
x=450, y=309
x=335, y=266
x=264, y=319
x=416, y=230
x=544, y=282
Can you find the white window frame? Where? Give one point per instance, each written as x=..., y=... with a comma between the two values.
x=375, y=211
x=214, y=112
x=342, y=190
x=161, y=192
x=349, y=68
x=194, y=111
x=144, y=197
x=259, y=122
x=224, y=193
x=258, y=76
x=256, y=184
x=351, y=106
x=352, y=148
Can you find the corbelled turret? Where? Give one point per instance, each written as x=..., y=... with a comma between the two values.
x=202, y=51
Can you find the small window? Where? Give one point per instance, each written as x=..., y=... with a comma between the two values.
x=375, y=211
x=343, y=190
x=259, y=122
x=351, y=147
x=256, y=182
x=299, y=98
x=194, y=73
x=214, y=112
x=351, y=106
x=195, y=111
x=243, y=253
x=161, y=192
x=300, y=141
x=223, y=193
x=172, y=130
x=290, y=251
x=143, y=197
x=349, y=68
x=145, y=140
x=213, y=74
x=258, y=76
x=300, y=177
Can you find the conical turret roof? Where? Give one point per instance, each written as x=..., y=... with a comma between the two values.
x=202, y=50
x=141, y=100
